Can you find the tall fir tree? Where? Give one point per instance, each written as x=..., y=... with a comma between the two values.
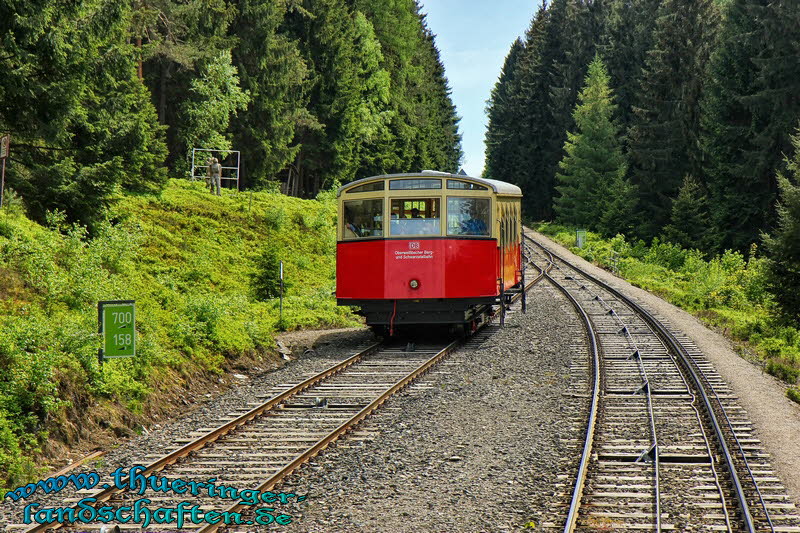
x=627, y=35
x=215, y=98
x=559, y=45
x=749, y=110
x=503, y=133
x=176, y=40
x=619, y=208
x=423, y=124
x=444, y=151
x=273, y=71
x=783, y=244
x=81, y=121
x=663, y=138
x=576, y=28
x=340, y=49
x=594, y=158
x=531, y=168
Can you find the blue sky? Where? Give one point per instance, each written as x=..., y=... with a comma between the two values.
x=474, y=37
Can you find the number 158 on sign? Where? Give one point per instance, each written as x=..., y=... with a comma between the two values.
x=118, y=326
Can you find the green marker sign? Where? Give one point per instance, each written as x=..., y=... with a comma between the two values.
x=118, y=326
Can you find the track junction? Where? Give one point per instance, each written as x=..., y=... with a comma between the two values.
x=666, y=447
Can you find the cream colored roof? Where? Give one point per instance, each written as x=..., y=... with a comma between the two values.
x=499, y=187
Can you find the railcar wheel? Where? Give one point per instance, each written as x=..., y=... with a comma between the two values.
x=459, y=330
x=379, y=331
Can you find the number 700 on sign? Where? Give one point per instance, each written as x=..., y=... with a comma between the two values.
x=118, y=326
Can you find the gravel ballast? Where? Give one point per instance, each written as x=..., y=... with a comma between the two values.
x=475, y=447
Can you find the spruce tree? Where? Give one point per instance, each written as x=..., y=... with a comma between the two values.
x=749, y=110
x=783, y=244
x=559, y=46
x=272, y=70
x=423, y=126
x=332, y=41
x=575, y=30
x=503, y=133
x=82, y=123
x=444, y=151
x=593, y=159
x=626, y=38
x=531, y=168
x=663, y=138
x=174, y=40
x=214, y=99
x=619, y=208
x=689, y=223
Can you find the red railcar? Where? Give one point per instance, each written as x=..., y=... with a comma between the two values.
x=427, y=248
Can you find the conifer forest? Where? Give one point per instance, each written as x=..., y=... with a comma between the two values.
x=668, y=119
x=101, y=95
x=669, y=129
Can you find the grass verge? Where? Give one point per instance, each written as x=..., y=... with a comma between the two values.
x=194, y=263
x=727, y=292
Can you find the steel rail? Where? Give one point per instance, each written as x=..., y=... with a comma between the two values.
x=707, y=443
x=583, y=467
x=202, y=441
x=323, y=443
x=651, y=415
x=654, y=450
x=335, y=434
x=211, y=436
x=689, y=364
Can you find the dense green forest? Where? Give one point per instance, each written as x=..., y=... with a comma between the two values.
x=202, y=270
x=669, y=119
x=101, y=96
x=104, y=102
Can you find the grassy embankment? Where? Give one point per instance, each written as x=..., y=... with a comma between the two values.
x=187, y=258
x=726, y=292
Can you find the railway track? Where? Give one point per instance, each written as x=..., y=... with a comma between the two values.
x=666, y=446
x=239, y=463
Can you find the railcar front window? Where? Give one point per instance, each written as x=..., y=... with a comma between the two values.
x=415, y=216
x=396, y=185
x=468, y=216
x=465, y=185
x=363, y=218
x=369, y=187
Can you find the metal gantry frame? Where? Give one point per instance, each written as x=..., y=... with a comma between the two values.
x=234, y=171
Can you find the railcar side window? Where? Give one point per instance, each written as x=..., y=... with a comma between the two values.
x=468, y=216
x=415, y=216
x=368, y=187
x=396, y=185
x=465, y=185
x=363, y=218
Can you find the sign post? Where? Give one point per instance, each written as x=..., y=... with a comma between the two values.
x=580, y=237
x=5, y=146
x=117, y=324
x=281, y=288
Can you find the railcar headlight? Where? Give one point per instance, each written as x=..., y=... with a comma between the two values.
x=414, y=284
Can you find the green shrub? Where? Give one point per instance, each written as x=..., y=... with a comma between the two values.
x=15, y=468
x=266, y=277
x=793, y=393
x=186, y=257
x=274, y=218
x=783, y=371
x=726, y=291
x=666, y=254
